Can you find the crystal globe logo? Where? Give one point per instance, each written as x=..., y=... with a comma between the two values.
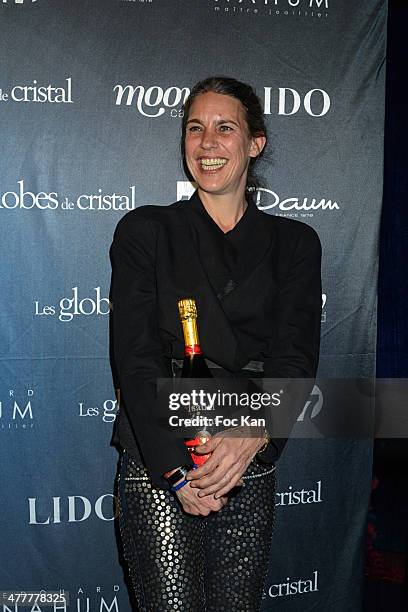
x=22, y=197
x=75, y=305
x=107, y=411
x=293, y=496
x=39, y=92
x=294, y=586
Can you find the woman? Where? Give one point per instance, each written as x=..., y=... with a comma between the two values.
x=196, y=539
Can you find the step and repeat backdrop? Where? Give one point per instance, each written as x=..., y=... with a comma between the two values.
x=90, y=112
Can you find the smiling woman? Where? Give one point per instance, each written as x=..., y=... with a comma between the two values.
x=196, y=539
x=218, y=149
x=219, y=145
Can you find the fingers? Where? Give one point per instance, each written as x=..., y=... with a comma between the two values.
x=223, y=470
x=204, y=469
x=221, y=473
x=213, y=446
x=223, y=487
x=193, y=505
x=221, y=481
x=207, y=447
x=226, y=489
x=224, y=478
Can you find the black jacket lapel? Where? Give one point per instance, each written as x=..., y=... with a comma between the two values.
x=228, y=259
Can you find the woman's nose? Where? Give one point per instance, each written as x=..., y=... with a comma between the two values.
x=209, y=139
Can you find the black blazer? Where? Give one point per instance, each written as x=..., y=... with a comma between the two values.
x=155, y=262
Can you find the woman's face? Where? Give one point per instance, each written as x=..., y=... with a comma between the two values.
x=218, y=145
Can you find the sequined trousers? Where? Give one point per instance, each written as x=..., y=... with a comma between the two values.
x=179, y=562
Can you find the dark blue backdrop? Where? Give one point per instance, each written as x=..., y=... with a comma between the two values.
x=387, y=558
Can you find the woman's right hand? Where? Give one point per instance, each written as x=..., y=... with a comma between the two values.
x=193, y=504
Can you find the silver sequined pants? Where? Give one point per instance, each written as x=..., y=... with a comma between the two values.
x=178, y=562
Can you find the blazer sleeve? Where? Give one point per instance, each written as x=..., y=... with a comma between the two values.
x=137, y=349
x=293, y=352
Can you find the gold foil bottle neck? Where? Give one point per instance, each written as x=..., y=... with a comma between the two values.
x=187, y=309
x=188, y=315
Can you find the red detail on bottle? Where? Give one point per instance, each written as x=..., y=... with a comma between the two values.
x=193, y=349
x=191, y=444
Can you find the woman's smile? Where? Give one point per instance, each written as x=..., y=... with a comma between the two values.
x=212, y=164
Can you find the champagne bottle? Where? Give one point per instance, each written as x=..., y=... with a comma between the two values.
x=194, y=366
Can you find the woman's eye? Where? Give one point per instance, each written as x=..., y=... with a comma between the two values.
x=194, y=128
x=225, y=128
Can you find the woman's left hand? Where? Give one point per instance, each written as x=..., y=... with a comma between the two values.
x=231, y=453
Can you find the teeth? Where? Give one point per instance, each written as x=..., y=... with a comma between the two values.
x=216, y=162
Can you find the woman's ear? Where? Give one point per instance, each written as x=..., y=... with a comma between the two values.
x=257, y=145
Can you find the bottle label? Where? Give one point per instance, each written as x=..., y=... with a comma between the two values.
x=190, y=333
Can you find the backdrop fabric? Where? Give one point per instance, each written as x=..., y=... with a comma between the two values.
x=90, y=99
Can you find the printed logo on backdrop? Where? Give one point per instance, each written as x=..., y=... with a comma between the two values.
x=100, y=598
x=76, y=305
x=293, y=586
x=79, y=508
x=293, y=497
x=313, y=405
x=17, y=409
x=18, y=1
x=316, y=9
x=295, y=206
x=283, y=206
x=39, y=92
x=154, y=100
x=106, y=412
x=324, y=311
x=71, y=509
x=22, y=198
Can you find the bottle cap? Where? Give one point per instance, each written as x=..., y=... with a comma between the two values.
x=187, y=308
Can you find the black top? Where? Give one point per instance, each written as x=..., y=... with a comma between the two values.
x=228, y=259
x=224, y=255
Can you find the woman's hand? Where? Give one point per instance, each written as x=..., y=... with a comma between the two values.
x=193, y=504
x=231, y=453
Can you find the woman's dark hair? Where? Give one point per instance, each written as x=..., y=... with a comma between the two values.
x=228, y=86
